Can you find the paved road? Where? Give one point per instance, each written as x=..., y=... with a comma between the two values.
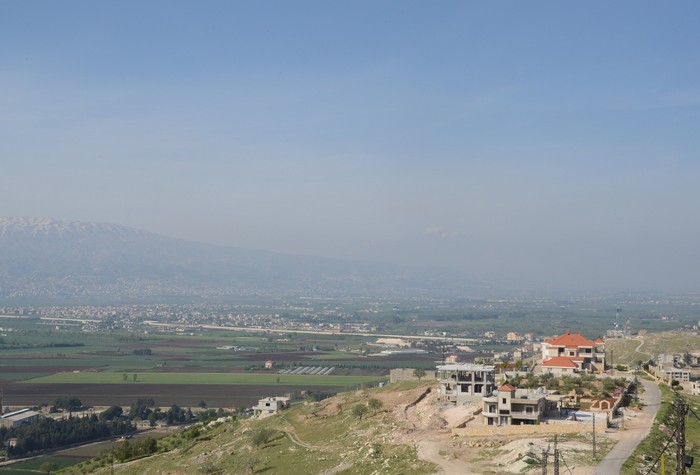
x=630, y=438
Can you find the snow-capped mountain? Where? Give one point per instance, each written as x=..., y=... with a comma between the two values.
x=51, y=259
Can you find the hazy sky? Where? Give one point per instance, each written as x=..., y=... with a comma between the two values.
x=551, y=143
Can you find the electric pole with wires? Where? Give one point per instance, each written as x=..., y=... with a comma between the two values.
x=681, y=412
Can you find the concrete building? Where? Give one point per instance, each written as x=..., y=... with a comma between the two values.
x=586, y=355
x=270, y=405
x=695, y=388
x=682, y=375
x=17, y=418
x=669, y=367
x=511, y=406
x=451, y=359
x=461, y=383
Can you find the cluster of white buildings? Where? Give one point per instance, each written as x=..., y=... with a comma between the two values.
x=507, y=405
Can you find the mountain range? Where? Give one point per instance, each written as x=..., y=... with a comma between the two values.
x=43, y=258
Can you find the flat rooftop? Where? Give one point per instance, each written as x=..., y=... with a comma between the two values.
x=466, y=367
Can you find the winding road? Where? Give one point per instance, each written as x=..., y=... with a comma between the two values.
x=637, y=431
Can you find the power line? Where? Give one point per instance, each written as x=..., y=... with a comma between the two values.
x=567, y=465
x=681, y=411
x=670, y=439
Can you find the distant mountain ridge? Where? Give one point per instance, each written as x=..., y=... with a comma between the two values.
x=51, y=259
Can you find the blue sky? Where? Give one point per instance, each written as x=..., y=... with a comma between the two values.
x=552, y=144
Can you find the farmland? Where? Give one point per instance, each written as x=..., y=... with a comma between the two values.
x=39, y=363
x=204, y=378
x=188, y=353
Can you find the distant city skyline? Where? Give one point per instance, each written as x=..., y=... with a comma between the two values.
x=549, y=144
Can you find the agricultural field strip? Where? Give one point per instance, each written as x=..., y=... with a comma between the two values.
x=203, y=378
x=316, y=332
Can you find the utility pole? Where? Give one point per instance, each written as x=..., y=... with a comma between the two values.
x=594, y=454
x=612, y=366
x=556, y=456
x=545, y=456
x=681, y=411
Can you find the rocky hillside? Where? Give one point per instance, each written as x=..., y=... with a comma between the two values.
x=400, y=430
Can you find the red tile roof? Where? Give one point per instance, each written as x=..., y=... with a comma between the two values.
x=559, y=362
x=507, y=387
x=570, y=340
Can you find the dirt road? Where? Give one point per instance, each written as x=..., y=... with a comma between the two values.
x=635, y=431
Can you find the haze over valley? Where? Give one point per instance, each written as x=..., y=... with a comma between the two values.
x=369, y=237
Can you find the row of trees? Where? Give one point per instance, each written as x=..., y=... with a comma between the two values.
x=49, y=433
x=144, y=409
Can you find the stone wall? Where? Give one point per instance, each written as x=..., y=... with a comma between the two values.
x=524, y=430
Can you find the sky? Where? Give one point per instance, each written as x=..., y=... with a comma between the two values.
x=550, y=144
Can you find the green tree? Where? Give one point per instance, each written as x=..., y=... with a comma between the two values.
x=150, y=445
x=68, y=403
x=261, y=436
x=135, y=376
x=359, y=411
x=419, y=373
x=125, y=377
x=111, y=413
x=374, y=404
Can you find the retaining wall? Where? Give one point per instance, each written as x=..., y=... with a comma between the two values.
x=523, y=430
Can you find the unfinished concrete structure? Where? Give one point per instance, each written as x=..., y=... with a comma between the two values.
x=462, y=383
x=270, y=405
x=512, y=406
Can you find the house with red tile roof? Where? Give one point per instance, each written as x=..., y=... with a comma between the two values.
x=571, y=353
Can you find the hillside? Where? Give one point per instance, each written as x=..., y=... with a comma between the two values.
x=49, y=260
x=643, y=347
x=408, y=434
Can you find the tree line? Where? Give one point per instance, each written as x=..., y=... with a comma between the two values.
x=47, y=433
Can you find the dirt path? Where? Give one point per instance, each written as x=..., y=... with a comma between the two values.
x=429, y=449
x=295, y=440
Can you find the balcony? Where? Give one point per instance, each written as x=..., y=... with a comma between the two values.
x=525, y=415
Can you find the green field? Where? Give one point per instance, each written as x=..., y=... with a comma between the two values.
x=204, y=378
x=33, y=466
